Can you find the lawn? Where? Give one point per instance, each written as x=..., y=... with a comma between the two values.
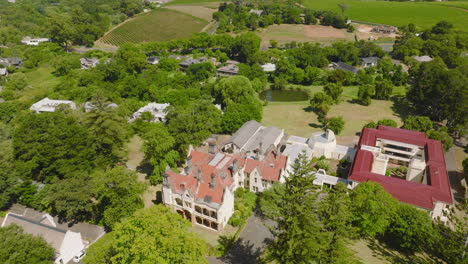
x=42, y=83
x=298, y=119
x=156, y=25
x=422, y=14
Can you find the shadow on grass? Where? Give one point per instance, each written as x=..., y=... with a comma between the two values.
x=315, y=125
x=381, y=249
x=308, y=109
x=401, y=107
x=145, y=167
x=158, y=199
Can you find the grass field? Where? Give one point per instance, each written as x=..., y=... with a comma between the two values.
x=156, y=25
x=422, y=14
x=42, y=83
x=298, y=119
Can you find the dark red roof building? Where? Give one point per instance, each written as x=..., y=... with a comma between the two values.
x=426, y=184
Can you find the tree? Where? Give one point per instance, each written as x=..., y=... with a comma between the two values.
x=343, y=7
x=336, y=124
x=410, y=229
x=71, y=199
x=297, y=237
x=108, y=131
x=439, y=93
x=118, y=192
x=50, y=146
x=191, y=124
x=384, y=122
x=335, y=210
x=383, y=90
x=60, y=29
x=373, y=208
x=268, y=200
x=17, y=247
x=158, y=147
x=151, y=235
x=441, y=135
x=8, y=180
x=334, y=90
x=245, y=46
x=365, y=94
x=417, y=123
x=201, y=71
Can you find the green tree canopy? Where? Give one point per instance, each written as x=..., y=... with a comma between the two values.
x=17, y=247
x=336, y=124
x=152, y=235
x=418, y=123
x=373, y=208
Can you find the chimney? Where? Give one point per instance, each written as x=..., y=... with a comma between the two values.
x=188, y=168
x=212, y=182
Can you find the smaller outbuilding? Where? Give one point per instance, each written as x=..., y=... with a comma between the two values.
x=88, y=63
x=228, y=70
x=49, y=105
x=343, y=66
x=269, y=67
x=33, y=41
x=3, y=72
x=157, y=111
x=424, y=58
x=153, y=60
x=13, y=61
x=369, y=62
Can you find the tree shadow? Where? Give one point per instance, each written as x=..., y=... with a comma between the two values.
x=145, y=167
x=381, y=249
x=242, y=252
x=315, y=125
x=308, y=109
x=401, y=107
x=158, y=199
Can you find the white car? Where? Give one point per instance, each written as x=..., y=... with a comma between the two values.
x=79, y=257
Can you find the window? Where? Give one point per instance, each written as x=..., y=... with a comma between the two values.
x=255, y=188
x=198, y=209
x=213, y=214
x=178, y=201
x=187, y=204
x=255, y=180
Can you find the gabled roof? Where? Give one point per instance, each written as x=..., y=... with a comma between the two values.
x=369, y=60
x=345, y=67
x=244, y=133
x=422, y=195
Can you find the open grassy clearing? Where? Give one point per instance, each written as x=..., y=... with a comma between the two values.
x=41, y=81
x=194, y=2
x=298, y=119
x=156, y=25
x=202, y=12
x=422, y=14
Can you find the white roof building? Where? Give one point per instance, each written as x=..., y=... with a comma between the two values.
x=3, y=72
x=158, y=111
x=33, y=41
x=66, y=243
x=424, y=58
x=89, y=106
x=269, y=67
x=88, y=63
x=49, y=105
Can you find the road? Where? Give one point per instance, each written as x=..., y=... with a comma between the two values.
x=250, y=245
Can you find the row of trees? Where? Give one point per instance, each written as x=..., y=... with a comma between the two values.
x=237, y=17
x=310, y=229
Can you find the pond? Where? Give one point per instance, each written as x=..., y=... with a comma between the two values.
x=284, y=95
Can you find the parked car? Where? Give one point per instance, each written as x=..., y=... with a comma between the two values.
x=79, y=257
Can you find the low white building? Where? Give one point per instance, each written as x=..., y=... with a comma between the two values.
x=424, y=58
x=33, y=41
x=269, y=67
x=88, y=63
x=49, y=105
x=157, y=111
x=3, y=72
x=89, y=106
x=66, y=243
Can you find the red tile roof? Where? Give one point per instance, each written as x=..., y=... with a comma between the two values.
x=422, y=195
x=222, y=173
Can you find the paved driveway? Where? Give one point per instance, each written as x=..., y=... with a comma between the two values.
x=250, y=245
x=454, y=175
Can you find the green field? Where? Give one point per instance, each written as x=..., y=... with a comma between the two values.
x=156, y=25
x=297, y=119
x=422, y=14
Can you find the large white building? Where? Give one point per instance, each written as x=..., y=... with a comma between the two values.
x=203, y=192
